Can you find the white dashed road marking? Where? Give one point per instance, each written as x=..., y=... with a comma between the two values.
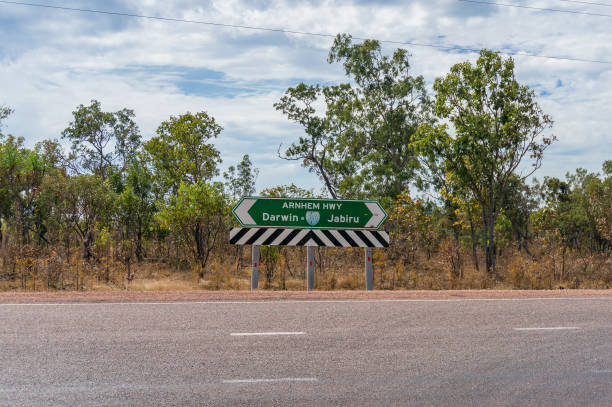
x=548, y=328
x=279, y=380
x=266, y=333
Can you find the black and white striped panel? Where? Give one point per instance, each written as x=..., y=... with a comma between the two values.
x=309, y=237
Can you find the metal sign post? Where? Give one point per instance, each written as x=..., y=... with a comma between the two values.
x=310, y=268
x=255, y=267
x=369, y=273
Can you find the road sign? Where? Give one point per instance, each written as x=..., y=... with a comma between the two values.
x=305, y=237
x=309, y=213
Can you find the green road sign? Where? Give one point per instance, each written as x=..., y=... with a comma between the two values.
x=300, y=213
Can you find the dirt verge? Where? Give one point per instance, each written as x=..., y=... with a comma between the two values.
x=175, y=296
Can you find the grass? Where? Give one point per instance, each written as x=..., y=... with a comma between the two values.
x=340, y=270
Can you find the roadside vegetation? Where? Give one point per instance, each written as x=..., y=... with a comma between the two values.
x=453, y=167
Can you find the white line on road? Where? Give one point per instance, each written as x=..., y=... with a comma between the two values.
x=279, y=380
x=548, y=328
x=265, y=333
x=314, y=301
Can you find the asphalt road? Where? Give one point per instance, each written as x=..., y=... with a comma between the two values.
x=356, y=353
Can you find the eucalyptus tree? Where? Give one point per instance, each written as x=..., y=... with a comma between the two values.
x=182, y=153
x=578, y=210
x=23, y=177
x=136, y=204
x=86, y=203
x=197, y=214
x=600, y=198
x=101, y=139
x=289, y=191
x=315, y=150
x=184, y=163
x=360, y=134
x=5, y=111
x=498, y=123
x=381, y=111
x=240, y=180
x=23, y=171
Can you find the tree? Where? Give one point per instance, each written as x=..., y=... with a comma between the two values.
x=497, y=124
x=197, y=214
x=184, y=162
x=600, y=198
x=240, y=180
x=315, y=150
x=577, y=209
x=181, y=153
x=23, y=171
x=5, y=112
x=288, y=191
x=520, y=202
x=86, y=203
x=381, y=115
x=101, y=138
x=136, y=205
x=4, y=197
x=361, y=143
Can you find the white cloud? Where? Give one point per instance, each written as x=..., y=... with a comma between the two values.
x=52, y=61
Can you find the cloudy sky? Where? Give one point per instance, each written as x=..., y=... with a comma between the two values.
x=53, y=60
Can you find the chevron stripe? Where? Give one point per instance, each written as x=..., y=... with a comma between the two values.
x=309, y=237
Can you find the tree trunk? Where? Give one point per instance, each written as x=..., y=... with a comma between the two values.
x=490, y=247
x=457, y=270
x=87, y=246
x=489, y=243
x=283, y=278
x=201, y=250
x=473, y=236
x=139, y=242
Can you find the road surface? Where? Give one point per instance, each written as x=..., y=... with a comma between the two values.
x=421, y=352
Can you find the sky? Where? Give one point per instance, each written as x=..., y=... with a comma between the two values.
x=52, y=60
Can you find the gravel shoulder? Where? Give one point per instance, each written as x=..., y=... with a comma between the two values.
x=201, y=295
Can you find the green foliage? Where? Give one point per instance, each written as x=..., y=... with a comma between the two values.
x=412, y=228
x=136, y=204
x=93, y=132
x=240, y=180
x=288, y=191
x=316, y=149
x=578, y=210
x=379, y=117
x=23, y=172
x=181, y=153
x=419, y=227
x=198, y=214
x=497, y=124
x=361, y=144
x=5, y=112
x=599, y=193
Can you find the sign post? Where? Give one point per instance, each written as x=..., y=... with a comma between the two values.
x=255, y=267
x=369, y=272
x=310, y=268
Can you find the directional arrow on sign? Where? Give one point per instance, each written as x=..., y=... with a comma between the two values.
x=241, y=211
x=309, y=213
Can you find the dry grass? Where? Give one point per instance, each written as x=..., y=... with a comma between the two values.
x=164, y=284
x=336, y=269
